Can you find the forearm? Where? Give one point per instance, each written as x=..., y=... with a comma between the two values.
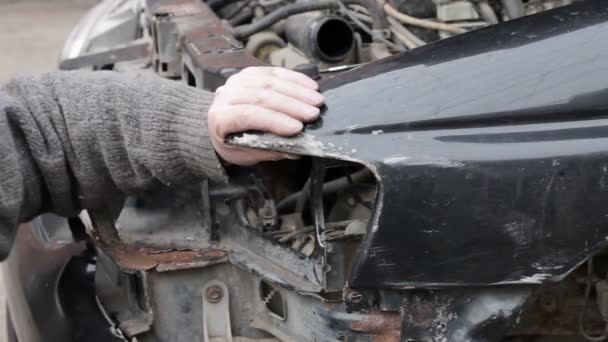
x=73, y=140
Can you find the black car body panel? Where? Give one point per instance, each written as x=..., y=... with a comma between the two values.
x=488, y=147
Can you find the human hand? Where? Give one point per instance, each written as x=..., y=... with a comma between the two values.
x=269, y=99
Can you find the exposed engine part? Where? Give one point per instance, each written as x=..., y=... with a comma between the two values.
x=326, y=38
x=457, y=11
x=268, y=215
x=379, y=22
x=517, y=8
x=216, y=311
x=409, y=20
x=514, y=8
x=487, y=12
x=462, y=13
x=284, y=12
x=288, y=57
x=329, y=187
x=601, y=292
x=405, y=36
x=263, y=44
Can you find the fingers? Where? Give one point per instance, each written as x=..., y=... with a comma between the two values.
x=265, y=99
x=282, y=73
x=269, y=99
x=240, y=118
x=288, y=88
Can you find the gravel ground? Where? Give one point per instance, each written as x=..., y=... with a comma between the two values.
x=31, y=36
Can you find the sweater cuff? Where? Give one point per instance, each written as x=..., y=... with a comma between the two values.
x=186, y=131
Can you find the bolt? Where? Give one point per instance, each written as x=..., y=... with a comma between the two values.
x=351, y=201
x=214, y=294
x=355, y=297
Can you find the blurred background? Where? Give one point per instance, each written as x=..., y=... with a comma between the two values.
x=32, y=33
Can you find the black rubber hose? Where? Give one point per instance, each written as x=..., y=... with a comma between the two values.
x=244, y=31
x=242, y=16
x=217, y=4
x=281, y=13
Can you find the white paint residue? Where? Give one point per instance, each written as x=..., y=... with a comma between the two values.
x=303, y=143
x=424, y=160
x=377, y=132
x=395, y=159
x=538, y=278
x=541, y=267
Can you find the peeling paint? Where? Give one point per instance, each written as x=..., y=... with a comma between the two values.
x=538, y=278
x=541, y=267
x=424, y=160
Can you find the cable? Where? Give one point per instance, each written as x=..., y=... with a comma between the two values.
x=407, y=33
x=487, y=13
x=245, y=15
x=328, y=188
x=365, y=29
x=375, y=12
x=304, y=193
x=409, y=20
x=399, y=34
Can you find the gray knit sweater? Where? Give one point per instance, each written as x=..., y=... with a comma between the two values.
x=72, y=140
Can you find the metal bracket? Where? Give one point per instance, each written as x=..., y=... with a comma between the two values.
x=216, y=312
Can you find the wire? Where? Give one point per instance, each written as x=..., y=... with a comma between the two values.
x=366, y=29
x=409, y=20
x=581, y=317
x=405, y=32
x=329, y=188
x=268, y=3
x=395, y=28
x=303, y=197
x=487, y=13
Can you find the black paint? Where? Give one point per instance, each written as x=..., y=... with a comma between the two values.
x=490, y=147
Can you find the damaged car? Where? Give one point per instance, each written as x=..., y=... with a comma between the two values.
x=455, y=187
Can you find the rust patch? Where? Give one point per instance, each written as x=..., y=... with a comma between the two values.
x=174, y=7
x=383, y=326
x=423, y=315
x=145, y=258
x=180, y=10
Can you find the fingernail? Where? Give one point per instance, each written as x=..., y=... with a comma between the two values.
x=318, y=98
x=312, y=112
x=291, y=156
x=294, y=125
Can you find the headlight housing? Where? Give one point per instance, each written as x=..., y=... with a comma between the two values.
x=109, y=24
